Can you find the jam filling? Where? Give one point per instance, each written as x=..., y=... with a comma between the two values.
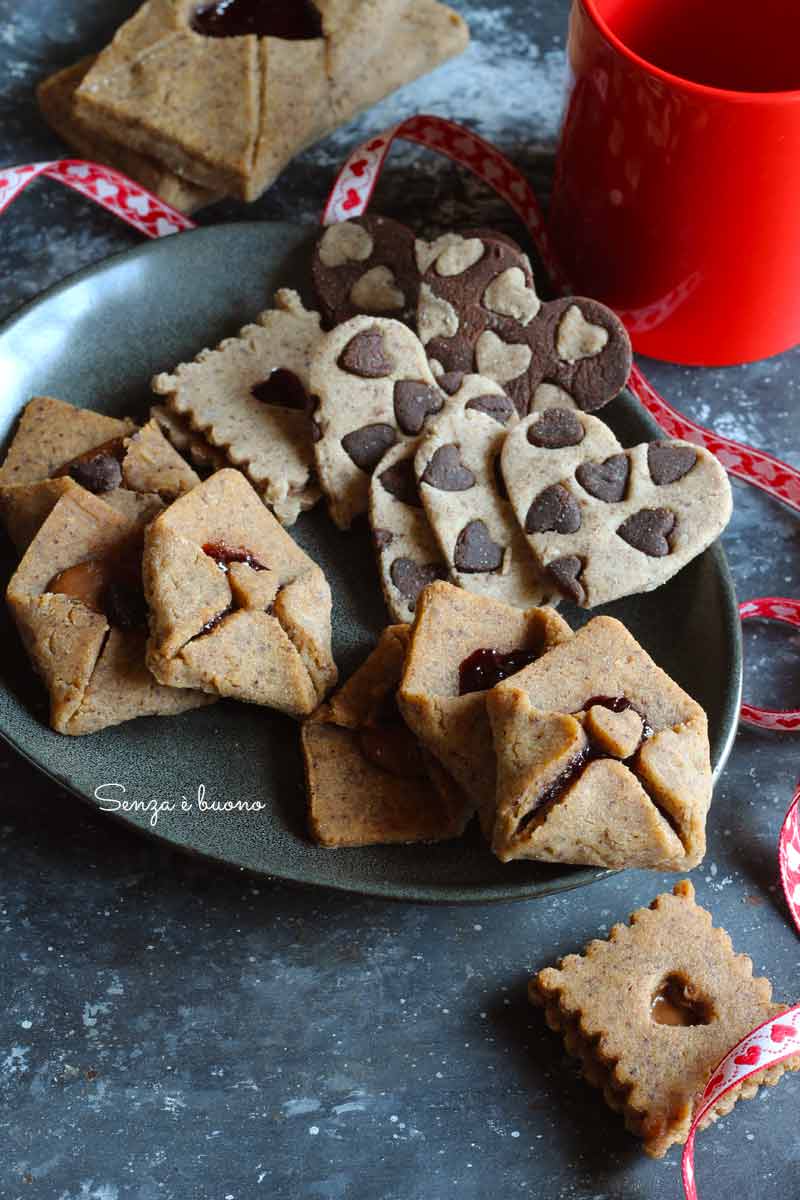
x=590, y=753
x=223, y=555
x=485, y=668
x=112, y=589
x=295, y=20
x=283, y=389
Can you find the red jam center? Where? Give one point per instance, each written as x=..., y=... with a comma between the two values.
x=295, y=20
x=223, y=555
x=485, y=668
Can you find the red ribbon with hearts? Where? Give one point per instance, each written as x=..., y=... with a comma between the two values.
x=778, y=1039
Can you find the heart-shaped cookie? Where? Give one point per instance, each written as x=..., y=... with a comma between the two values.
x=606, y=522
x=366, y=266
x=466, y=503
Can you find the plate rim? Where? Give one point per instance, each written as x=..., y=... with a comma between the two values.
x=417, y=893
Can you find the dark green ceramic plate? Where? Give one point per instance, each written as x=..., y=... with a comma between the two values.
x=96, y=340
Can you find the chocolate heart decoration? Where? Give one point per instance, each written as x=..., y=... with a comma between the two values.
x=476, y=552
x=603, y=521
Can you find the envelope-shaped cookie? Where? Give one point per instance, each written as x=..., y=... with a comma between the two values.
x=225, y=94
x=462, y=645
x=249, y=398
x=374, y=388
x=370, y=782
x=77, y=601
x=236, y=608
x=606, y=522
x=601, y=758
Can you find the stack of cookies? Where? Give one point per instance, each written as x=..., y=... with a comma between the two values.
x=198, y=99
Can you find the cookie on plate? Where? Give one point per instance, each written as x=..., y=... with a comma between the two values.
x=374, y=388
x=601, y=758
x=604, y=522
x=461, y=646
x=55, y=96
x=462, y=489
x=249, y=397
x=651, y=1011
x=77, y=601
x=370, y=782
x=187, y=441
x=225, y=94
x=366, y=267
x=57, y=445
x=236, y=608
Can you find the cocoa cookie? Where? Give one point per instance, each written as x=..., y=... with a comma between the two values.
x=602, y=759
x=267, y=79
x=605, y=522
x=249, y=397
x=478, y=311
x=236, y=608
x=370, y=781
x=463, y=491
x=461, y=646
x=650, y=1011
x=366, y=266
x=77, y=601
x=374, y=388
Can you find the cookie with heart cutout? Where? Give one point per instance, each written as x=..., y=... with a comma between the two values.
x=463, y=492
x=478, y=311
x=236, y=607
x=374, y=388
x=369, y=780
x=366, y=267
x=602, y=759
x=409, y=555
x=605, y=522
x=249, y=397
x=461, y=646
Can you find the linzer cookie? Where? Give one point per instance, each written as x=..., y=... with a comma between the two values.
x=249, y=397
x=225, y=94
x=601, y=758
x=77, y=601
x=57, y=445
x=187, y=441
x=458, y=472
x=651, y=1011
x=462, y=645
x=56, y=96
x=370, y=782
x=606, y=522
x=236, y=608
x=374, y=388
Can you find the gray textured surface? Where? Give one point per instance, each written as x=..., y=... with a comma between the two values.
x=174, y=1031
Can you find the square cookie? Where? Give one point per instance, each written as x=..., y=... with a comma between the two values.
x=651, y=1011
x=236, y=607
x=602, y=759
x=370, y=782
x=77, y=601
x=461, y=645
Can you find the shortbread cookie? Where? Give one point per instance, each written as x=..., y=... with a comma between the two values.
x=462, y=645
x=187, y=441
x=134, y=472
x=366, y=266
x=374, y=388
x=226, y=94
x=408, y=554
x=236, y=608
x=606, y=522
x=249, y=397
x=56, y=95
x=602, y=759
x=651, y=1011
x=77, y=601
x=370, y=782
x=462, y=490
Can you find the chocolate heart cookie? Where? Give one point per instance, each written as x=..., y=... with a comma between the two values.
x=604, y=522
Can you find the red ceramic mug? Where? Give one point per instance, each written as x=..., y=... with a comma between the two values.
x=677, y=191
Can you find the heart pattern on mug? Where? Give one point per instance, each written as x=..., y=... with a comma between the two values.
x=605, y=522
x=472, y=300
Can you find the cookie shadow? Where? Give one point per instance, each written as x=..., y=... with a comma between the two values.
x=586, y=1132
